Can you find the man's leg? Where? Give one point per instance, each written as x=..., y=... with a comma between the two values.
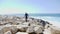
x=26, y=19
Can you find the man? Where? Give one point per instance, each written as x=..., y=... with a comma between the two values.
x=26, y=16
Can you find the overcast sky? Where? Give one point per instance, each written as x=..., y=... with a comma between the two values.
x=29, y=6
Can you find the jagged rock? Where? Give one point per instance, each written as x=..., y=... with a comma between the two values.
x=5, y=29
x=8, y=32
x=13, y=29
x=18, y=24
x=21, y=33
x=1, y=32
x=30, y=29
x=23, y=27
x=38, y=29
x=55, y=30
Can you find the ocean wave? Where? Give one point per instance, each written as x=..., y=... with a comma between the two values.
x=53, y=20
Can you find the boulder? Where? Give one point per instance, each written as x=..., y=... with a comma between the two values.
x=8, y=32
x=13, y=29
x=38, y=29
x=6, y=29
x=55, y=31
x=30, y=29
x=21, y=33
x=1, y=32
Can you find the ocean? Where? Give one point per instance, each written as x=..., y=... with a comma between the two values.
x=52, y=18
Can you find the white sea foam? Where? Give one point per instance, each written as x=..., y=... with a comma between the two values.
x=53, y=20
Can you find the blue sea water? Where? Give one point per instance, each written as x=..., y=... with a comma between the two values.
x=48, y=18
x=51, y=17
x=55, y=18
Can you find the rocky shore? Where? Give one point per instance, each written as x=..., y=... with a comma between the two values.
x=14, y=24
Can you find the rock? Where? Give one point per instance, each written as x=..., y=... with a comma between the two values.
x=16, y=24
x=22, y=28
x=5, y=29
x=8, y=32
x=30, y=29
x=1, y=32
x=21, y=33
x=55, y=30
x=32, y=33
x=38, y=29
x=13, y=29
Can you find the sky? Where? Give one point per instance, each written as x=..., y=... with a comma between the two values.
x=29, y=6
